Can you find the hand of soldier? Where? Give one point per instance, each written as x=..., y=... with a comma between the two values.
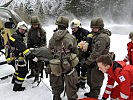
x=85, y=47
x=35, y=59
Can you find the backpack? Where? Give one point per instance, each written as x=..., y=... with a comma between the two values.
x=64, y=63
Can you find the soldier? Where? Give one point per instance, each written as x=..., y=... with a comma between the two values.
x=63, y=46
x=100, y=46
x=84, y=39
x=19, y=51
x=36, y=39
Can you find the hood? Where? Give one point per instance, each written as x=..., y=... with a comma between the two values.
x=59, y=34
x=105, y=31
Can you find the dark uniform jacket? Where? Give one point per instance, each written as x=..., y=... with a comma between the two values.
x=18, y=46
x=36, y=38
x=81, y=35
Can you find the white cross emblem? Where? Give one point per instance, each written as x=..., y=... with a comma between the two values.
x=122, y=78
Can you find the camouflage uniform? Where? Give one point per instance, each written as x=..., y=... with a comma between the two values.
x=70, y=78
x=100, y=46
x=36, y=39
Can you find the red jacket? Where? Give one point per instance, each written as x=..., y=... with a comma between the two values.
x=123, y=76
x=130, y=53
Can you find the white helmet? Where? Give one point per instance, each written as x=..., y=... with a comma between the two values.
x=75, y=23
x=22, y=25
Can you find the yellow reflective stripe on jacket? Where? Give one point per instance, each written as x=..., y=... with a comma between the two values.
x=11, y=38
x=21, y=79
x=89, y=35
x=9, y=59
x=26, y=51
x=20, y=58
x=16, y=73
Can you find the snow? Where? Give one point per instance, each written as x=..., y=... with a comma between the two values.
x=119, y=40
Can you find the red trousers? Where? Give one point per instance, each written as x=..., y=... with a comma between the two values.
x=116, y=93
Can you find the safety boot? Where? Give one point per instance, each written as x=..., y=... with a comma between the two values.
x=18, y=87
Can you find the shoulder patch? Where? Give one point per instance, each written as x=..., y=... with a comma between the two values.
x=122, y=78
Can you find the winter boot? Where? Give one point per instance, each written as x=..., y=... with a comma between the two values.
x=18, y=87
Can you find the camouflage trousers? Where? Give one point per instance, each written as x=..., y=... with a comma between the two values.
x=57, y=84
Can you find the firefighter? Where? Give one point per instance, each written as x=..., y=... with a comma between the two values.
x=18, y=53
x=84, y=39
x=120, y=72
x=36, y=39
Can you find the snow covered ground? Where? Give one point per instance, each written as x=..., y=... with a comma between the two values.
x=119, y=41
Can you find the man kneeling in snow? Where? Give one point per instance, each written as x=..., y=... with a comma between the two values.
x=121, y=73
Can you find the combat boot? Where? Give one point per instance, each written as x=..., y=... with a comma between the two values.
x=18, y=87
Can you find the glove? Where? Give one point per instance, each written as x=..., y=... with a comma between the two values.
x=85, y=47
x=35, y=59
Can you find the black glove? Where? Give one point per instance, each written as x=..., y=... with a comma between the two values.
x=104, y=98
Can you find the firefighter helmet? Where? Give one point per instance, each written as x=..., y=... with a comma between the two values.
x=75, y=23
x=22, y=25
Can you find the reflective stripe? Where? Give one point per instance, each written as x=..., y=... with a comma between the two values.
x=18, y=82
x=89, y=35
x=84, y=78
x=26, y=52
x=107, y=92
x=9, y=59
x=21, y=79
x=110, y=86
x=16, y=73
x=11, y=38
x=124, y=96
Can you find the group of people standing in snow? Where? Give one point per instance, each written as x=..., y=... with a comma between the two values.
x=75, y=59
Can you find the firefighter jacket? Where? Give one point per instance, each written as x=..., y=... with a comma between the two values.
x=130, y=52
x=18, y=47
x=81, y=35
x=123, y=75
x=36, y=37
x=100, y=45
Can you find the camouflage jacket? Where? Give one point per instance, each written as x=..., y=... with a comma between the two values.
x=62, y=37
x=100, y=45
x=36, y=38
